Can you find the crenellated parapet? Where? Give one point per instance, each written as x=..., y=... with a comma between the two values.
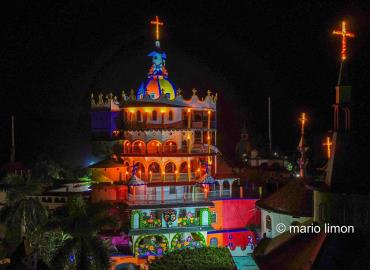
x=112, y=102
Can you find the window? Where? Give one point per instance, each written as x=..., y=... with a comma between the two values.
x=268, y=222
x=170, y=116
x=172, y=190
x=154, y=115
x=138, y=116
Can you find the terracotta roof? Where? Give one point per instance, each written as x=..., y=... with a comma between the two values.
x=300, y=252
x=292, y=199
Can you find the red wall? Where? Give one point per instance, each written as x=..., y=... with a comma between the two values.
x=236, y=213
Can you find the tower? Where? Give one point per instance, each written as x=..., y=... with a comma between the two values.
x=342, y=105
x=302, y=148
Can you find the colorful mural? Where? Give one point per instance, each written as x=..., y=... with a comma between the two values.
x=188, y=240
x=151, y=245
x=187, y=219
x=150, y=220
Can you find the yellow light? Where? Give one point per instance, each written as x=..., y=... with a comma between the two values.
x=343, y=32
x=188, y=165
x=157, y=23
x=208, y=138
x=157, y=144
x=170, y=143
x=189, y=110
x=176, y=172
x=198, y=170
x=328, y=144
x=126, y=172
x=209, y=112
x=188, y=137
x=150, y=172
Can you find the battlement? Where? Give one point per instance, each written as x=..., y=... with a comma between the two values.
x=114, y=103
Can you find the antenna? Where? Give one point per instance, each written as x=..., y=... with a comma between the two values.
x=269, y=112
x=12, y=149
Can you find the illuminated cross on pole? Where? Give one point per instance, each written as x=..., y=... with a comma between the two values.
x=328, y=144
x=157, y=23
x=343, y=32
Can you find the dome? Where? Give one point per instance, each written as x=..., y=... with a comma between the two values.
x=156, y=86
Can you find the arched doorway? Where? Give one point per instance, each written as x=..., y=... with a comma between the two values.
x=140, y=170
x=154, y=171
x=170, y=147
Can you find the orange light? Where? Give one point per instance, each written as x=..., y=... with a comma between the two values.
x=189, y=110
x=303, y=120
x=188, y=137
x=188, y=165
x=176, y=172
x=170, y=143
x=150, y=172
x=343, y=32
x=157, y=144
x=198, y=170
x=208, y=138
x=328, y=144
x=209, y=112
x=126, y=172
x=157, y=23
x=152, y=143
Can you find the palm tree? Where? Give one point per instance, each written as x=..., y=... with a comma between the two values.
x=22, y=214
x=82, y=221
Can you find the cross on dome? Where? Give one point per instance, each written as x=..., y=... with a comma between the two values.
x=157, y=23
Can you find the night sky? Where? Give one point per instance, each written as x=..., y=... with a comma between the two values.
x=54, y=55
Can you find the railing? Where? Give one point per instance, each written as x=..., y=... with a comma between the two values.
x=186, y=197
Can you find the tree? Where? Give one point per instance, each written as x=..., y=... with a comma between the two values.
x=82, y=221
x=22, y=214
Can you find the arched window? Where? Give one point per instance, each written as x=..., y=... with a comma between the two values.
x=154, y=115
x=170, y=167
x=214, y=242
x=138, y=116
x=170, y=147
x=170, y=116
x=154, y=147
x=140, y=169
x=268, y=222
x=138, y=147
x=184, y=167
x=154, y=167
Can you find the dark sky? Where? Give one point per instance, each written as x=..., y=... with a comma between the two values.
x=53, y=55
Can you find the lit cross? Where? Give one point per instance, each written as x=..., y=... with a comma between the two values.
x=157, y=24
x=328, y=144
x=344, y=35
x=303, y=120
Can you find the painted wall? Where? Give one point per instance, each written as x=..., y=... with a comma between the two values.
x=235, y=213
x=109, y=193
x=277, y=218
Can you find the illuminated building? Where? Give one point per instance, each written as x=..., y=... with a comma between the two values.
x=161, y=159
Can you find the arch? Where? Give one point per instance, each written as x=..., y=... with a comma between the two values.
x=170, y=115
x=213, y=242
x=154, y=147
x=170, y=147
x=138, y=147
x=226, y=185
x=154, y=115
x=268, y=223
x=140, y=169
x=154, y=167
x=126, y=147
x=184, y=146
x=184, y=167
x=170, y=167
x=138, y=116
x=151, y=245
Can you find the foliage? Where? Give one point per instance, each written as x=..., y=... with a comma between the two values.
x=81, y=220
x=46, y=244
x=206, y=258
x=22, y=214
x=47, y=170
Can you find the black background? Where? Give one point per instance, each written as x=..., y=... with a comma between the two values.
x=53, y=55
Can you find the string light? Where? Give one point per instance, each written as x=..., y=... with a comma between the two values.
x=343, y=32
